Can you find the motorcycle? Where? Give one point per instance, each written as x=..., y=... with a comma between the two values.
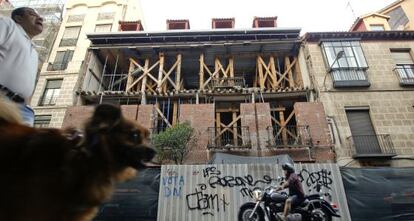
x=270, y=202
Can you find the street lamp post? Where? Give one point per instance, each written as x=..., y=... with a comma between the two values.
x=338, y=56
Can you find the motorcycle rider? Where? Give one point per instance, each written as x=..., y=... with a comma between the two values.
x=296, y=194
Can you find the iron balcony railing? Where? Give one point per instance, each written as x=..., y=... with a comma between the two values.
x=76, y=18
x=229, y=138
x=405, y=74
x=68, y=42
x=57, y=66
x=232, y=82
x=288, y=136
x=349, y=77
x=376, y=145
x=106, y=16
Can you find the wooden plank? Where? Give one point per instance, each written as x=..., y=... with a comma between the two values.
x=298, y=74
x=160, y=72
x=273, y=72
x=201, y=71
x=278, y=109
x=235, y=140
x=130, y=78
x=218, y=122
x=260, y=69
x=144, y=79
x=162, y=116
x=175, y=113
x=289, y=70
x=283, y=124
x=231, y=66
x=178, y=73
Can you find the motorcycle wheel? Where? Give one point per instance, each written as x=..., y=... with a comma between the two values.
x=247, y=209
x=320, y=215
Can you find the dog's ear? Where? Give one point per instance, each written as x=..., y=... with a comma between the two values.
x=106, y=116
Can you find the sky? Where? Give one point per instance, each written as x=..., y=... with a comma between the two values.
x=309, y=15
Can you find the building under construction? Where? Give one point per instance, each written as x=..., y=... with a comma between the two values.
x=51, y=12
x=242, y=90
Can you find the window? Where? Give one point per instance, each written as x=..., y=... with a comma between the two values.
x=51, y=92
x=70, y=36
x=404, y=66
x=42, y=121
x=349, y=69
x=61, y=60
x=398, y=19
x=377, y=27
x=103, y=28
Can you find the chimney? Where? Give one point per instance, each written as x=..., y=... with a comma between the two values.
x=178, y=24
x=130, y=26
x=217, y=23
x=264, y=22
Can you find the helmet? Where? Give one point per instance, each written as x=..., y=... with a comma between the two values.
x=288, y=167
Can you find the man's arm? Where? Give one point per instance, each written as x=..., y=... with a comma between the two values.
x=5, y=29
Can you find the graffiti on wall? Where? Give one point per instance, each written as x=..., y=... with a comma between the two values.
x=215, y=190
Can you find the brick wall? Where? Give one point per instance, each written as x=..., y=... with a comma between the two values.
x=313, y=115
x=200, y=117
x=145, y=115
x=257, y=127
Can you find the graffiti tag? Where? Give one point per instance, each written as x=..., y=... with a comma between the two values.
x=311, y=179
x=206, y=202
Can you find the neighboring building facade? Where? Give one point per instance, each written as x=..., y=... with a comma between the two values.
x=59, y=75
x=243, y=91
x=367, y=92
x=51, y=11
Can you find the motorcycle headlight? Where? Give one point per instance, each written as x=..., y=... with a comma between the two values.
x=257, y=195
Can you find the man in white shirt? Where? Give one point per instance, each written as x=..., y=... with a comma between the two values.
x=19, y=59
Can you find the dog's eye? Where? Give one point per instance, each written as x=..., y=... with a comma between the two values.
x=135, y=137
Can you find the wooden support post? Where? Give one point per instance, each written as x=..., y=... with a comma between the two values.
x=175, y=113
x=273, y=72
x=178, y=73
x=260, y=70
x=231, y=66
x=130, y=78
x=235, y=133
x=218, y=131
x=216, y=67
x=201, y=71
x=289, y=69
x=160, y=72
x=298, y=74
x=283, y=127
x=144, y=80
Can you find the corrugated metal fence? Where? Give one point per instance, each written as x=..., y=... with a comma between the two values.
x=216, y=192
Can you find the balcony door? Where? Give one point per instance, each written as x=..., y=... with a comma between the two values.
x=363, y=133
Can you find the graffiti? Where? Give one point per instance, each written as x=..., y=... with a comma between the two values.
x=211, y=171
x=173, y=185
x=321, y=177
x=232, y=181
x=206, y=202
x=246, y=192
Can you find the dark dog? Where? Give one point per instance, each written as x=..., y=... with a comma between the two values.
x=45, y=176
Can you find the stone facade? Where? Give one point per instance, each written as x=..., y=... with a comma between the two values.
x=390, y=105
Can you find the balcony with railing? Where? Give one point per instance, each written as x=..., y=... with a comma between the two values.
x=75, y=18
x=106, y=16
x=66, y=42
x=229, y=138
x=372, y=146
x=405, y=74
x=349, y=77
x=288, y=136
x=57, y=66
x=232, y=82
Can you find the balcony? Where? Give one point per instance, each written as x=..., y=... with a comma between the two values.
x=65, y=42
x=349, y=77
x=405, y=74
x=57, y=66
x=76, y=18
x=288, y=137
x=372, y=146
x=234, y=82
x=229, y=138
x=106, y=16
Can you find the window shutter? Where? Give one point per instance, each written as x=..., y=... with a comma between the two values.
x=402, y=57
